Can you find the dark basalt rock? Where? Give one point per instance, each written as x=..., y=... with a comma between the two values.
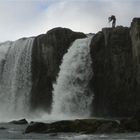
x=130, y=125
x=137, y=115
x=37, y=127
x=86, y=126
x=109, y=127
x=3, y=128
x=47, y=54
x=22, y=121
x=115, y=56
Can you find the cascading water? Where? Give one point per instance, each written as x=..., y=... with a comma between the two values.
x=16, y=78
x=71, y=92
x=3, y=51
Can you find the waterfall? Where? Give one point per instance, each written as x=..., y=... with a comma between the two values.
x=15, y=85
x=3, y=51
x=71, y=95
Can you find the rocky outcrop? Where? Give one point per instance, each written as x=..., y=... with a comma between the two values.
x=47, y=53
x=135, y=37
x=86, y=126
x=116, y=65
x=37, y=127
x=21, y=121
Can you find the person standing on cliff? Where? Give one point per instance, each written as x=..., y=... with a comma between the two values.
x=113, y=19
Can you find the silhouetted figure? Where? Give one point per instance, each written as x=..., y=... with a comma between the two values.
x=113, y=19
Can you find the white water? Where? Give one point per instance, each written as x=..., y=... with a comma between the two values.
x=4, y=48
x=71, y=94
x=3, y=51
x=16, y=79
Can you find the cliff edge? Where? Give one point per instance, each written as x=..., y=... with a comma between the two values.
x=115, y=55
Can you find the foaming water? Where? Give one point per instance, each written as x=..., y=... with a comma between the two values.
x=71, y=94
x=15, y=85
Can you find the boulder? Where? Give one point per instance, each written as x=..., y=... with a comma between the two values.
x=3, y=128
x=36, y=127
x=22, y=121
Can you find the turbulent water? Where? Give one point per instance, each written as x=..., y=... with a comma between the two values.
x=15, y=84
x=71, y=92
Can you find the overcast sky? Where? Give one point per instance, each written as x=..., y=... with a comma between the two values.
x=23, y=18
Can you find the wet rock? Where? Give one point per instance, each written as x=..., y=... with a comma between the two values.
x=137, y=115
x=3, y=128
x=130, y=125
x=109, y=127
x=36, y=127
x=22, y=121
x=53, y=134
x=86, y=126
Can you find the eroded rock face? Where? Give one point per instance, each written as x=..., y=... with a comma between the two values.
x=116, y=65
x=47, y=53
x=135, y=37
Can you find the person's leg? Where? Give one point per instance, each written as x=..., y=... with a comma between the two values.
x=113, y=24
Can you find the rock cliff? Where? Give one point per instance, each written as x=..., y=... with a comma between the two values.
x=116, y=65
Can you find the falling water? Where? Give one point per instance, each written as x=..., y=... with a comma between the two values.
x=3, y=51
x=71, y=92
x=16, y=78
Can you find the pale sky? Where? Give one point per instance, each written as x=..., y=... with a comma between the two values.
x=24, y=18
